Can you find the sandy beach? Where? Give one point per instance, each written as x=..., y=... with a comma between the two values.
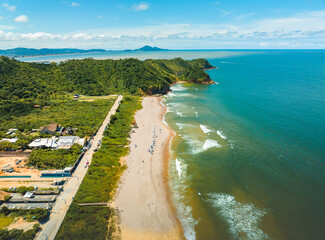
x=142, y=198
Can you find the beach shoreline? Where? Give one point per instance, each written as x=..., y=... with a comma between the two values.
x=143, y=199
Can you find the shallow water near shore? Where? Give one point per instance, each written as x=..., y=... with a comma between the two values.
x=248, y=158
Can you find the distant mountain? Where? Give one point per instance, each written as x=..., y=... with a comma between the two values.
x=149, y=48
x=25, y=52
x=29, y=52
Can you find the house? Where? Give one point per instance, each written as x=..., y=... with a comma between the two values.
x=12, y=140
x=49, y=129
x=44, y=143
x=66, y=142
x=11, y=131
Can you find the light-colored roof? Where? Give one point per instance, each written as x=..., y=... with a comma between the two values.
x=28, y=195
x=12, y=140
x=46, y=142
x=66, y=142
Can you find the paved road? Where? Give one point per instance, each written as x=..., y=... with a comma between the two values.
x=63, y=202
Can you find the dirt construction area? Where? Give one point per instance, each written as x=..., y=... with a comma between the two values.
x=15, y=173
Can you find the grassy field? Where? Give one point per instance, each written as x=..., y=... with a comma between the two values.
x=5, y=221
x=105, y=169
x=86, y=116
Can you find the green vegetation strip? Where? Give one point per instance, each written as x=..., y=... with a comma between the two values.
x=59, y=159
x=101, y=181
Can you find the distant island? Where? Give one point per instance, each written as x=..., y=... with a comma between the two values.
x=150, y=49
x=30, y=52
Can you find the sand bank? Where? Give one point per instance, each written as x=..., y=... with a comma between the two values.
x=142, y=198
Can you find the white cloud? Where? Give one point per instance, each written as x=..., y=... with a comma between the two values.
x=140, y=6
x=303, y=30
x=6, y=27
x=9, y=7
x=1, y=17
x=74, y=4
x=22, y=19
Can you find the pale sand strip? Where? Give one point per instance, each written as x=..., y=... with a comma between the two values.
x=142, y=198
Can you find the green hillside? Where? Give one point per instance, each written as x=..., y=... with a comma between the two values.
x=24, y=84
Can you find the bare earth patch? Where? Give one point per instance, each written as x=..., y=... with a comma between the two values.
x=20, y=223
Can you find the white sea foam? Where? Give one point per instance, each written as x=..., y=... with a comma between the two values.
x=184, y=211
x=170, y=94
x=210, y=143
x=180, y=114
x=196, y=114
x=180, y=168
x=205, y=128
x=243, y=219
x=184, y=95
x=178, y=88
x=180, y=125
x=164, y=121
x=220, y=133
x=195, y=144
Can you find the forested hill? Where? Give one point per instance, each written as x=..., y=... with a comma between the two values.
x=23, y=84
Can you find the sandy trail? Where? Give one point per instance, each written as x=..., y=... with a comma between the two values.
x=142, y=198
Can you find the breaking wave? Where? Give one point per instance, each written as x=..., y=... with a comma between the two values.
x=178, y=88
x=220, y=133
x=184, y=211
x=205, y=128
x=210, y=143
x=243, y=219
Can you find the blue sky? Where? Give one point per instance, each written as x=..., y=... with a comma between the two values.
x=191, y=24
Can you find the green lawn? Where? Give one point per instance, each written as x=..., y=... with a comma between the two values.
x=5, y=221
x=86, y=116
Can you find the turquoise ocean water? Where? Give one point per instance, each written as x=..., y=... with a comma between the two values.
x=248, y=158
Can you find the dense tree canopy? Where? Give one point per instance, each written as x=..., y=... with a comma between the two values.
x=21, y=80
x=23, y=84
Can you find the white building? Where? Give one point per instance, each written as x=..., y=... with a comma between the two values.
x=66, y=142
x=43, y=142
x=12, y=140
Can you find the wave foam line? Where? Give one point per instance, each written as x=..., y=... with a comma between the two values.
x=210, y=143
x=184, y=211
x=220, y=133
x=243, y=219
x=205, y=128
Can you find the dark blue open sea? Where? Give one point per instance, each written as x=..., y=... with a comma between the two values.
x=248, y=161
